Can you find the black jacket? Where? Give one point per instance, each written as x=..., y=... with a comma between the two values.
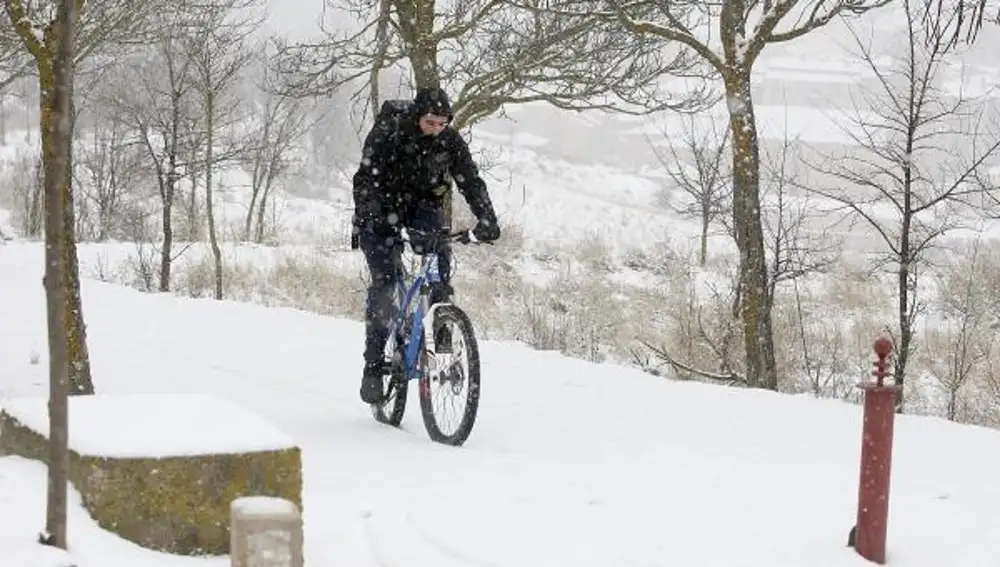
x=402, y=169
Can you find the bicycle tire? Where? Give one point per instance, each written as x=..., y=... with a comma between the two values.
x=396, y=390
x=453, y=314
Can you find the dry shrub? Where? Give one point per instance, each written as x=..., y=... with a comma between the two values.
x=586, y=306
x=240, y=282
x=818, y=354
x=312, y=284
x=21, y=193
x=584, y=318
x=958, y=356
x=294, y=279
x=815, y=353
x=595, y=253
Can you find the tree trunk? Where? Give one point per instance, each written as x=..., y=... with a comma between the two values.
x=58, y=305
x=381, y=47
x=952, y=403
x=194, y=230
x=755, y=300
x=166, y=250
x=416, y=25
x=67, y=342
x=262, y=205
x=79, y=359
x=35, y=224
x=58, y=457
x=903, y=278
x=905, y=331
x=272, y=167
x=168, y=192
x=212, y=236
x=251, y=208
x=703, y=252
x=256, y=178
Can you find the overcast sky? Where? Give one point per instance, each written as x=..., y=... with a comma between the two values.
x=295, y=18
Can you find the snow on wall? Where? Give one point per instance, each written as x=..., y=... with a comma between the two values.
x=157, y=426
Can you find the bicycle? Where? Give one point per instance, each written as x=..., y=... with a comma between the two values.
x=410, y=352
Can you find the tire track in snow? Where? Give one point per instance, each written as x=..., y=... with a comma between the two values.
x=414, y=544
x=443, y=547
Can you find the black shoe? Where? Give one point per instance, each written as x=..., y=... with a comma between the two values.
x=371, y=386
x=442, y=342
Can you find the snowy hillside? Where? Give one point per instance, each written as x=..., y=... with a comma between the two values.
x=570, y=463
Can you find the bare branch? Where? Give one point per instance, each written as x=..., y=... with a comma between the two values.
x=662, y=353
x=500, y=52
x=700, y=170
x=914, y=171
x=945, y=21
x=819, y=15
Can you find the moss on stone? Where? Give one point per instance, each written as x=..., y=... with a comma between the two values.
x=175, y=504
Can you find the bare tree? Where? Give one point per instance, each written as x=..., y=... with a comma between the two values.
x=281, y=122
x=917, y=169
x=62, y=284
x=700, y=171
x=162, y=110
x=958, y=348
x=15, y=64
x=797, y=244
x=795, y=250
x=219, y=50
x=110, y=168
x=498, y=52
x=40, y=33
x=24, y=176
x=740, y=30
x=821, y=348
x=193, y=151
x=103, y=30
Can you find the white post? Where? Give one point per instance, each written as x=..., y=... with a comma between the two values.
x=265, y=531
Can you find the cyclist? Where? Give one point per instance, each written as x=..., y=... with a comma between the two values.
x=407, y=158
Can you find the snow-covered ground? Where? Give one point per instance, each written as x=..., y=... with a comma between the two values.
x=570, y=463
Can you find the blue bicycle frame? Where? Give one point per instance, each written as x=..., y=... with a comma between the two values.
x=428, y=273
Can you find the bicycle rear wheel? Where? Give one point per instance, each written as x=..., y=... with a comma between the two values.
x=451, y=381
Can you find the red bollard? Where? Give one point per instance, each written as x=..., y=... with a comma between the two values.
x=868, y=536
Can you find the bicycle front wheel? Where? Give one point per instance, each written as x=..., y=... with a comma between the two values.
x=449, y=383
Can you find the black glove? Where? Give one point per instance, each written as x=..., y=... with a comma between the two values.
x=486, y=230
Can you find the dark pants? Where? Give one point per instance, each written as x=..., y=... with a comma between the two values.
x=380, y=241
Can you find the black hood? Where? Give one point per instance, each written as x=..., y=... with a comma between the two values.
x=432, y=101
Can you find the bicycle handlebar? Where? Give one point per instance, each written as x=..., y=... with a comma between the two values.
x=463, y=236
